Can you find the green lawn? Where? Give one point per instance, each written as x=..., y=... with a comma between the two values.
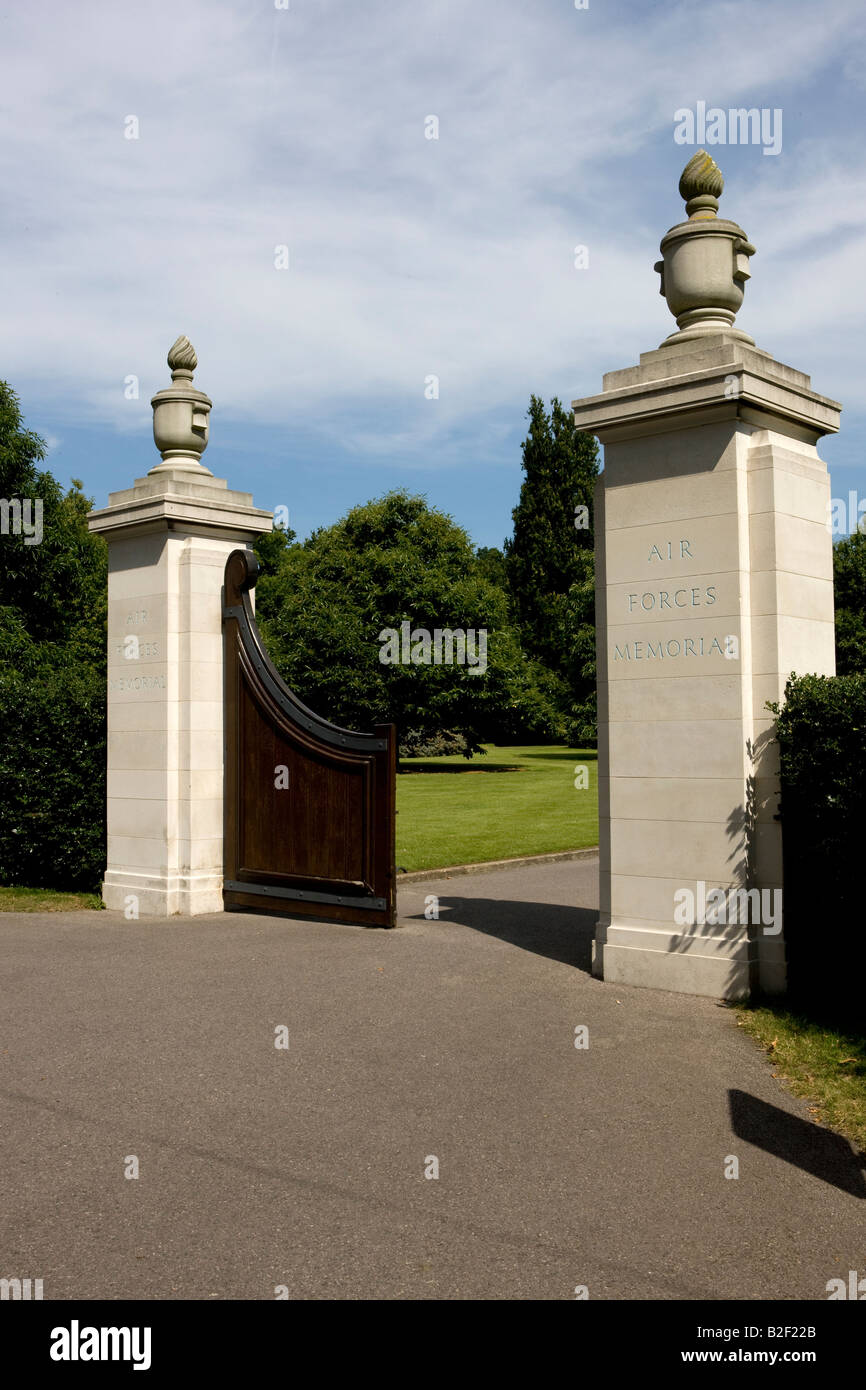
x=500, y=804
x=45, y=900
x=497, y=805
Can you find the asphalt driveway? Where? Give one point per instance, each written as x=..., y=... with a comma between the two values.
x=453, y=1039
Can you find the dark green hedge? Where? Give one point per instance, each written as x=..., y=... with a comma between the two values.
x=52, y=774
x=822, y=742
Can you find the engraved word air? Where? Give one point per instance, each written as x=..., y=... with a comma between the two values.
x=685, y=550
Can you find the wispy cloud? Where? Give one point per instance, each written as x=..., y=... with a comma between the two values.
x=408, y=257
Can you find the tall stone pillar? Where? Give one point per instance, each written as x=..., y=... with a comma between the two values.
x=169, y=537
x=714, y=582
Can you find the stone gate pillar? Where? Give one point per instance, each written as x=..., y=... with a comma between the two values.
x=168, y=538
x=714, y=582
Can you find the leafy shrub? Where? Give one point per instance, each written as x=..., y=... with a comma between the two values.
x=52, y=771
x=419, y=743
x=821, y=731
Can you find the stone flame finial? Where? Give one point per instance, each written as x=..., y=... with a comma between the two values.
x=180, y=415
x=701, y=185
x=181, y=356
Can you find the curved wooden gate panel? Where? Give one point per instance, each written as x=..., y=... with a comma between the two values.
x=309, y=807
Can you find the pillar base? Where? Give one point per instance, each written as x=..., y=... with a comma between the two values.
x=163, y=895
x=718, y=963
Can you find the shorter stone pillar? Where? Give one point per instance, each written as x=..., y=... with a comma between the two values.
x=169, y=537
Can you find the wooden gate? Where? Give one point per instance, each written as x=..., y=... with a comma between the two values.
x=309, y=807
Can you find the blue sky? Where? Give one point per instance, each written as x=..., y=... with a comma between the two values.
x=409, y=257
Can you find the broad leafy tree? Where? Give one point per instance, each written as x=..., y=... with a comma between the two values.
x=396, y=561
x=53, y=586
x=52, y=671
x=490, y=564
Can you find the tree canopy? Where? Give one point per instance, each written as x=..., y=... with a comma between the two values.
x=325, y=609
x=53, y=598
x=53, y=606
x=849, y=590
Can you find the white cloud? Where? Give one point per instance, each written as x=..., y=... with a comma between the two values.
x=260, y=127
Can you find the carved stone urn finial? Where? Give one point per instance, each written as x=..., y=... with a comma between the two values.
x=180, y=415
x=706, y=260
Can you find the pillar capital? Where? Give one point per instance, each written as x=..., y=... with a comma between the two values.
x=690, y=381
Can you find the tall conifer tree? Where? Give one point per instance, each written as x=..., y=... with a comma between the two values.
x=549, y=560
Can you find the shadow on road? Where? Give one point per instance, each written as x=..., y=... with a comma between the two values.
x=548, y=929
x=817, y=1151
